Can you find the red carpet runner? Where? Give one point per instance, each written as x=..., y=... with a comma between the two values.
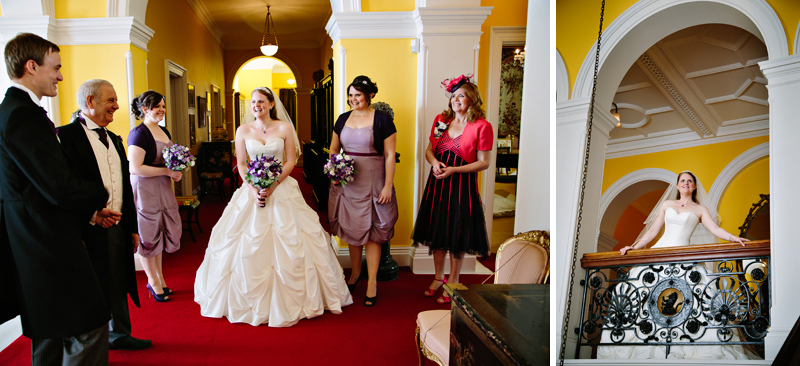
x=380, y=335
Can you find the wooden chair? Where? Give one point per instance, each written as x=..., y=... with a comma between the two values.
x=524, y=258
x=190, y=205
x=214, y=165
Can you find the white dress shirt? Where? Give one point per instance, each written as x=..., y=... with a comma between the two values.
x=108, y=162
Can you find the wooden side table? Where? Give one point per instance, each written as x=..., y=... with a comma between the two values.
x=190, y=205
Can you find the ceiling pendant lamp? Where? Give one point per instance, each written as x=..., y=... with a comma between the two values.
x=269, y=48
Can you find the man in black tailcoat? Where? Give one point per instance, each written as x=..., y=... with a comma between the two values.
x=46, y=276
x=98, y=155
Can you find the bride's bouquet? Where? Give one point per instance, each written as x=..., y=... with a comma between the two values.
x=177, y=157
x=263, y=171
x=340, y=168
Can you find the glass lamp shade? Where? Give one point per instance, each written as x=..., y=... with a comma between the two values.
x=269, y=49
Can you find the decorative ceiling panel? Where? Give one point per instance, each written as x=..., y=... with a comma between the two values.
x=690, y=84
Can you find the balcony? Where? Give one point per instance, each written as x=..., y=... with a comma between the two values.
x=701, y=295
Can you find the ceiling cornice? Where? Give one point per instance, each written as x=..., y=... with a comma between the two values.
x=371, y=25
x=678, y=95
x=205, y=17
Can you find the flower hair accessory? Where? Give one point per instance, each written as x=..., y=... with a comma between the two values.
x=451, y=85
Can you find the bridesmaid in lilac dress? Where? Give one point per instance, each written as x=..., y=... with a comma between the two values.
x=363, y=212
x=157, y=209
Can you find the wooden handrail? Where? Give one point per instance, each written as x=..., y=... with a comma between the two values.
x=701, y=252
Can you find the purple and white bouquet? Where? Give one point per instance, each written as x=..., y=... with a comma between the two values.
x=177, y=157
x=340, y=168
x=264, y=171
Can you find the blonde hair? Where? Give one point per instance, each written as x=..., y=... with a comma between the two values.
x=475, y=109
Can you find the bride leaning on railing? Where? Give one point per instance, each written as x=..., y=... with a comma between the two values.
x=681, y=302
x=678, y=300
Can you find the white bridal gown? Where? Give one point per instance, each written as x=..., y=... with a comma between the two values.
x=678, y=228
x=269, y=265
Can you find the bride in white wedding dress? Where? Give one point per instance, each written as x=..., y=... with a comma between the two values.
x=680, y=218
x=269, y=261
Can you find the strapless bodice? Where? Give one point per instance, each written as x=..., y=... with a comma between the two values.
x=678, y=228
x=274, y=146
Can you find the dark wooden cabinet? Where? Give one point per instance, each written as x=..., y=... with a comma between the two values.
x=500, y=325
x=315, y=152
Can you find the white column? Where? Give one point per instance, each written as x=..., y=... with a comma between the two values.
x=533, y=210
x=571, y=119
x=450, y=40
x=784, y=92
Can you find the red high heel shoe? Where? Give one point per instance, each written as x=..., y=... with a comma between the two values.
x=430, y=292
x=443, y=299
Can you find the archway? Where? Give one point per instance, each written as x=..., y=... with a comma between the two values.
x=263, y=71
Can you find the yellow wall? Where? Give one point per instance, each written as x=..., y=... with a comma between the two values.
x=66, y=9
x=789, y=14
x=251, y=79
x=742, y=193
x=390, y=69
x=387, y=5
x=706, y=162
x=577, y=25
x=279, y=81
x=186, y=41
x=505, y=13
x=81, y=63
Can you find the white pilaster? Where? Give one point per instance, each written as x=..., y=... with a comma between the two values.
x=450, y=39
x=534, y=168
x=571, y=117
x=784, y=90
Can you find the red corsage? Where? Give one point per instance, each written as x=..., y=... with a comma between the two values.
x=451, y=85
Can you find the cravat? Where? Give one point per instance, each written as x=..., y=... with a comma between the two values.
x=103, y=135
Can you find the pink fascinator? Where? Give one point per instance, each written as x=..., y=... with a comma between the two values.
x=451, y=85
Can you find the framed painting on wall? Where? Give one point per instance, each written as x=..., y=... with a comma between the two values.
x=201, y=112
x=192, y=131
x=190, y=88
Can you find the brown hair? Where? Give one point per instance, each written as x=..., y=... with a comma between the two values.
x=271, y=97
x=148, y=99
x=365, y=85
x=24, y=47
x=475, y=109
x=694, y=179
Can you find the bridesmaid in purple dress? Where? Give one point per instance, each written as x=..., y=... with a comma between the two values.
x=157, y=209
x=363, y=212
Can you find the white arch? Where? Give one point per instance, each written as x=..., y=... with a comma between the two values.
x=732, y=170
x=562, y=79
x=623, y=43
x=629, y=180
x=796, y=40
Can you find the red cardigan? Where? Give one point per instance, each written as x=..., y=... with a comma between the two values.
x=478, y=135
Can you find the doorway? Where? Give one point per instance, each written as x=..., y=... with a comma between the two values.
x=504, y=110
x=177, y=118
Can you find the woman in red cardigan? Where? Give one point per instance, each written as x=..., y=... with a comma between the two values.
x=451, y=217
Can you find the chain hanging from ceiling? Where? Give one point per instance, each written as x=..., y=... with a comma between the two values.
x=583, y=189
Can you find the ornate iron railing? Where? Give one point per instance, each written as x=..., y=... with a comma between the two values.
x=699, y=295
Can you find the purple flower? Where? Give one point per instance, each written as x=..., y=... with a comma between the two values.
x=340, y=168
x=177, y=157
x=264, y=171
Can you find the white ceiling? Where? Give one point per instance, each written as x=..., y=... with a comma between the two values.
x=239, y=24
x=697, y=85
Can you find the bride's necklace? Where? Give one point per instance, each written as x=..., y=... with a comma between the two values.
x=265, y=129
x=684, y=203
